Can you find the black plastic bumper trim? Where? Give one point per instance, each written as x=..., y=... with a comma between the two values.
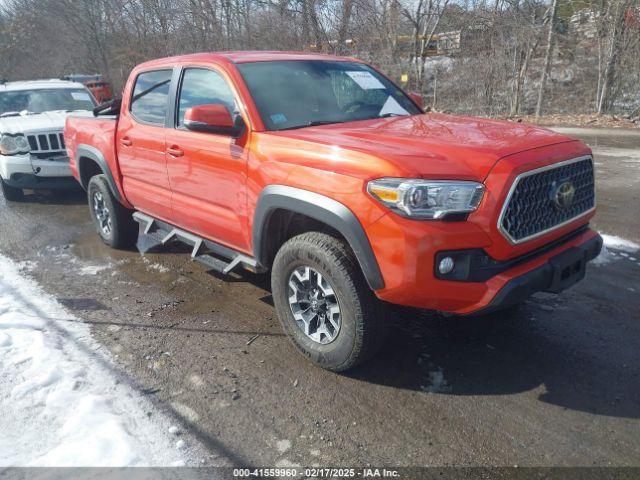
x=30, y=181
x=545, y=278
x=477, y=266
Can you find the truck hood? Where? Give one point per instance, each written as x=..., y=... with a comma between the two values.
x=432, y=145
x=37, y=123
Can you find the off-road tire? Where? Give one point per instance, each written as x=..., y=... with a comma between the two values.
x=11, y=194
x=124, y=229
x=363, y=317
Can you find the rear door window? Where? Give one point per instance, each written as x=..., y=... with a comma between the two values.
x=150, y=96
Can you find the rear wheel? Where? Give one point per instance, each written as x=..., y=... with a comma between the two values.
x=12, y=194
x=324, y=302
x=114, y=223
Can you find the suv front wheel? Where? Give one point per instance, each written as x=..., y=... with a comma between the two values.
x=324, y=303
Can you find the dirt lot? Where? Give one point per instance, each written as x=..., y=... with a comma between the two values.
x=555, y=382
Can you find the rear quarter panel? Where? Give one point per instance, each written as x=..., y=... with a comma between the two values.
x=99, y=133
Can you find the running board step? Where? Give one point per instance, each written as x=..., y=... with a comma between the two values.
x=154, y=232
x=213, y=263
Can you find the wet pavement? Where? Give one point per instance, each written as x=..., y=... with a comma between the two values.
x=553, y=382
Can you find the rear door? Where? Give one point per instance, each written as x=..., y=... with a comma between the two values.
x=140, y=143
x=207, y=171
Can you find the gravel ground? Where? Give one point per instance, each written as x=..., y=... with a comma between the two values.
x=554, y=382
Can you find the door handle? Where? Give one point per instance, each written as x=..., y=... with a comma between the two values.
x=126, y=142
x=175, y=151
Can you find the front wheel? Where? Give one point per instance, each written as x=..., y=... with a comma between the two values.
x=12, y=194
x=324, y=303
x=114, y=223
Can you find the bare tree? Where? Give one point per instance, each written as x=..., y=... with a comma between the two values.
x=494, y=69
x=547, y=56
x=424, y=16
x=614, y=22
x=531, y=35
x=345, y=18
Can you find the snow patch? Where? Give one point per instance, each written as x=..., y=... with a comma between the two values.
x=155, y=266
x=611, y=241
x=196, y=379
x=62, y=403
x=436, y=382
x=283, y=445
x=634, y=155
x=432, y=374
x=93, y=269
x=615, y=248
x=158, y=267
x=5, y=340
x=27, y=266
x=62, y=256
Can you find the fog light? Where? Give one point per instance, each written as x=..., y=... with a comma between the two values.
x=446, y=265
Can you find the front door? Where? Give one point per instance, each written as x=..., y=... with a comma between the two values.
x=207, y=171
x=140, y=144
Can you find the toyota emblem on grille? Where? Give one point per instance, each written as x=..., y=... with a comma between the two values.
x=562, y=194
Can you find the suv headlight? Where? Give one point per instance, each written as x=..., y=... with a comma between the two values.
x=13, y=144
x=426, y=199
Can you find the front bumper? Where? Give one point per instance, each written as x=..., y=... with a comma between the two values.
x=19, y=171
x=406, y=252
x=555, y=275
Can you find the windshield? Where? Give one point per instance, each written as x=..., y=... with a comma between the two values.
x=294, y=94
x=45, y=100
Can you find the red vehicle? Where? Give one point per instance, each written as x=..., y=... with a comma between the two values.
x=321, y=170
x=96, y=84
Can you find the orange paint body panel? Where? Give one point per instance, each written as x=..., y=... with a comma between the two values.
x=211, y=184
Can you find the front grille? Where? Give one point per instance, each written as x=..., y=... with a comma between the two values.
x=51, y=156
x=533, y=206
x=46, y=142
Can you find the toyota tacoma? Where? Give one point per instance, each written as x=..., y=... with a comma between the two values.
x=322, y=171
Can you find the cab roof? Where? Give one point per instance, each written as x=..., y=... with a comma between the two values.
x=244, y=57
x=38, y=84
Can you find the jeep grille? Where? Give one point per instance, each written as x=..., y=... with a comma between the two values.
x=46, y=142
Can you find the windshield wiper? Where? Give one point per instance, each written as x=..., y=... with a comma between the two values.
x=314, y=123
x=15, y=114
x=389, y=114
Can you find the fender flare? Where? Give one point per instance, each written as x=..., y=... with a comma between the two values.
x=92, y=153
x=323, y=209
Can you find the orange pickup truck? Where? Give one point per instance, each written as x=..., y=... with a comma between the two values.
x=322, y=171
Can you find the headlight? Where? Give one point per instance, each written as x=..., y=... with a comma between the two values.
x=13, y=144
x=426, y=199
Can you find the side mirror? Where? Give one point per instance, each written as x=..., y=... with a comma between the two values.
x=417, y=98
x=213, y=118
